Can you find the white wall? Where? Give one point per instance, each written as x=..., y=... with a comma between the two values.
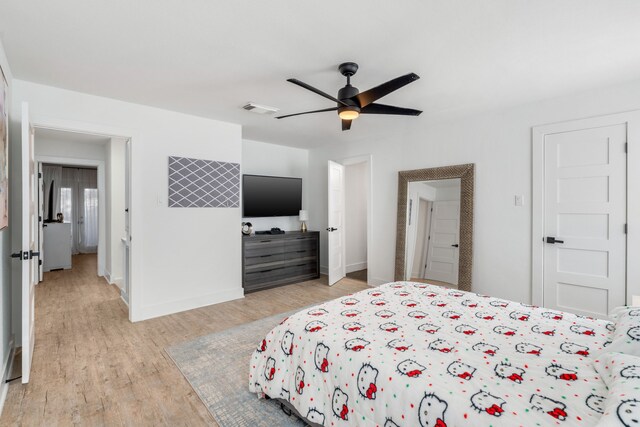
x=259, y=158
x=356, y=190
x=115, y=182
x=499, y=143
x=6, y=261
x=181, y=258
x=71, y=149
x=445, y=194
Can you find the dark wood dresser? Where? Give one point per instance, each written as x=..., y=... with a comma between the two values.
x=270, y=260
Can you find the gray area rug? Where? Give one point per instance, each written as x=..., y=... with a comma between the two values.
x=217, y=367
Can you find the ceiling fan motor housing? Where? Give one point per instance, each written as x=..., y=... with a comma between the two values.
x=346, y=95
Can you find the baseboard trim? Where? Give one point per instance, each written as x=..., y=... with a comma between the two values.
x=113, y=280
x=6, y=371
x=356, y=266
x=151, y=311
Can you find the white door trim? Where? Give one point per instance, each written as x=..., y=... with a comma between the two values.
x=368, y=159
x=136, y=211
x=102, y=226
x=632, y=120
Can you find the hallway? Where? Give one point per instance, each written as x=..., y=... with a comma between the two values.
x=93, y=367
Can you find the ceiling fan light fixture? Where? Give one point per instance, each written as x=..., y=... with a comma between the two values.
x=349, y=113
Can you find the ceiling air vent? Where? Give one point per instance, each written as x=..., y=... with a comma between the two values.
x=260, y=109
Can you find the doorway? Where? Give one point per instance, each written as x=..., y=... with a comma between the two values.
x=69, y=210
x=88, y=192
x=349, y=218
x=356, y=192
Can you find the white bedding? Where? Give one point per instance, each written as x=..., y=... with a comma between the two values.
x=411, y=354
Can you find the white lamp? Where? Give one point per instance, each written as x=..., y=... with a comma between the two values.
x=303, y=216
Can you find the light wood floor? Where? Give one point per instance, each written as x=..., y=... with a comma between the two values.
x=93, y=367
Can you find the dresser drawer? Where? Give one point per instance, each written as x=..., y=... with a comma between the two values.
x=265, y=275
x=291, y=257
x=263, y=247
x=300, y=244
x=264, y=259
x=300, y=269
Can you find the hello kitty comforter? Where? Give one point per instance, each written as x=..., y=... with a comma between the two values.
x=412, y=354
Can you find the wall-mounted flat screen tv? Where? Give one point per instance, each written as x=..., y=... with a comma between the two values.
x=271, y=196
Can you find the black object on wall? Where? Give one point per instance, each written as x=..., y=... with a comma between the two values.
x=268, y=196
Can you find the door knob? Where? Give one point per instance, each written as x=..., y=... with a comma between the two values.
x=553, y=240
x=330, y=229
x=455, y=246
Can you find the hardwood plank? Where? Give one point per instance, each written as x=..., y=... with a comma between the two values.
x=92, y=367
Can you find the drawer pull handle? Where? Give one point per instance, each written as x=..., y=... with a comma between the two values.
x=266, y=271
x=300, y=252
x=265, y=256
x=265, y=241
x=300, y=265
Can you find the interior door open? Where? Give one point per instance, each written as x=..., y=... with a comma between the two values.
x=29, y=256
x=335, y=228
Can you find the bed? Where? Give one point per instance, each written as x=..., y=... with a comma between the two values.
x=414, y=354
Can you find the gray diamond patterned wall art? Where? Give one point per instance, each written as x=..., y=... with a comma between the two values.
x=196, y=183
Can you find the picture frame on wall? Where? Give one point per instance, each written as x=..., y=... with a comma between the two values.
x=4, y=152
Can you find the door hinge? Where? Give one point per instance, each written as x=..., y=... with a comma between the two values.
x=39, y=175
x=39, y=218
x=39, y=262
x=626, y=147
x=625, y=229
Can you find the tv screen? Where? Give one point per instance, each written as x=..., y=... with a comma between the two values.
x=271, y=196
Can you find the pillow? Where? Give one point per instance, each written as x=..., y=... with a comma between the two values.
x=626, y=335
x=621, y=406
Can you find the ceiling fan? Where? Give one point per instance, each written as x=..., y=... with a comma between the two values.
x=351, y=102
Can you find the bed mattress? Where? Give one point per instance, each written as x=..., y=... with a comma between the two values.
x=413, y=354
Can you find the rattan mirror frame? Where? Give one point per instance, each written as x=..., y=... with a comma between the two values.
x=466, y=173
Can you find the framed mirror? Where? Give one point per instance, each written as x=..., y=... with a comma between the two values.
x=434, y=235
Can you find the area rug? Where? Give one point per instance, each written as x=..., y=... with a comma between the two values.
x=217, y=367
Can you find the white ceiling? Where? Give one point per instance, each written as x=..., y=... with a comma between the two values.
x=209, y=57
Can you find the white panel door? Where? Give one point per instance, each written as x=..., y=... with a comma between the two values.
x=444, y=238
x=29, y=250
x=585, y=214
x=337, y=269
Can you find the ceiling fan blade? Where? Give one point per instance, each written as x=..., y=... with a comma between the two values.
x=346, y=124
x=389, y=109
x=373, y=94
x=318, y=91
x=308, y=112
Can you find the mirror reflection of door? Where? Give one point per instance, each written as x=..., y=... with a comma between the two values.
x=433, y=232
